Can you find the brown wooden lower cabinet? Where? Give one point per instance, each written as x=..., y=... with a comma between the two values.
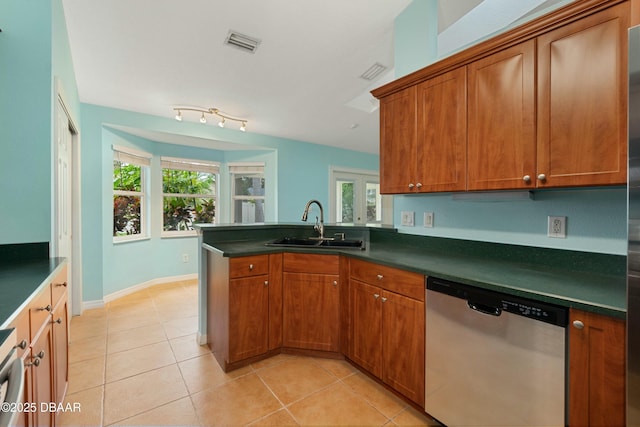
x=596, y=370
x=387, y=336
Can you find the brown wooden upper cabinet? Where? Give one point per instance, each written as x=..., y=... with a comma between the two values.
x=423, y=136
x=501, y=144
x=543, y=105
x=582, y=101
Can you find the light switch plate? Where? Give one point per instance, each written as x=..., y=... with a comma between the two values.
x=428, y=219
x=407, y=218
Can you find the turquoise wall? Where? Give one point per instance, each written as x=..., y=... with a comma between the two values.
x=25, y=125
x=416, y=37
x=295, y=172
x=596, y=218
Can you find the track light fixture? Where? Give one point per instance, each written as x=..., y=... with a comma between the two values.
x=213, y=111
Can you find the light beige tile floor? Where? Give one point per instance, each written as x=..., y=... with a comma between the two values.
x=136, y=363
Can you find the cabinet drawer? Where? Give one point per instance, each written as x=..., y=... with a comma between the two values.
x=403, y=282
x=59, y=286
x=310, y=263
x=40, y=311
x=248, y=266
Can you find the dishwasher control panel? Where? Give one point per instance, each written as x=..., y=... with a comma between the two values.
x=494, y=303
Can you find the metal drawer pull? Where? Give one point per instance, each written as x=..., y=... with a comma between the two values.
x=380, y=276
x=411, y=185
x=578, y=324
x=526, y=178
x=542, y=177
x=62, y=284
x=250, y=267
x=47, y=308
x=376, y=296
x=22, y=345
x=59, y=321
x=40, y=354
x=266, y=283
x=384, y=299
x=36, y=362
x=335, y=283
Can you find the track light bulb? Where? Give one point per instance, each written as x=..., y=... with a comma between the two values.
x=179, y=116
x=243, y=127
x=203, y=119
x=221, y=123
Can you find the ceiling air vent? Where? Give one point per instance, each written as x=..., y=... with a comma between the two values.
x=240, y=41
x=374, y=71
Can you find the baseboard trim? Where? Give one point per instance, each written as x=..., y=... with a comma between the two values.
x=87, y=305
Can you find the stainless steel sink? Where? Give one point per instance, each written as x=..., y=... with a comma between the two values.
x=309, y=242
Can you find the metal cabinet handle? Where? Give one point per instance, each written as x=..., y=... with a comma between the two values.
x=266, y=283
x=526, y=178
x=376, y=296
x=250, y=267
x=47, y=308
x=36, y=362
x=384, y=299
x=22, y=345
x=335, y=283
x=542, y=177
x=62, y=284
x=578, y=324
x=59, y=321
x=40, y=354
x=379, y=276
x=411, y=185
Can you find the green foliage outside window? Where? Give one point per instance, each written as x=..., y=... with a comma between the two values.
x=126, y=207
x=189, y=199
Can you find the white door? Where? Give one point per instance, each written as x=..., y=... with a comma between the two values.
x=63, y=220
x=356, y=198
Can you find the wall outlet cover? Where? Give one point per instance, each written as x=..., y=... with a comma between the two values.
x=407, y=218
x=557, y=226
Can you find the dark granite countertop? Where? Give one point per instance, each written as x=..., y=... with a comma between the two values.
x=587, y=281
x=19, y=281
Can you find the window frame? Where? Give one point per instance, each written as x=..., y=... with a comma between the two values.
x=256, y=169
x=140, y=158
x=195, y=165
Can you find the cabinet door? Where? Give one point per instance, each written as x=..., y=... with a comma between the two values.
x=42, y=376
x=596, y=370
x=398, y=142
x=442, y=133
x=366, y=321
x=403, y=345
x=248, y=317
x=501, y=148
x=311, y=312
x=60, y=344
x=582, y=101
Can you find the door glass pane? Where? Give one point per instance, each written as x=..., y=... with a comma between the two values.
x=345, y=201
x=374, y=202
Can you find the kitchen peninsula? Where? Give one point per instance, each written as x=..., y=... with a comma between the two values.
x=248, y=290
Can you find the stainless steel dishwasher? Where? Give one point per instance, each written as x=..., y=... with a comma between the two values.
x=493, y=359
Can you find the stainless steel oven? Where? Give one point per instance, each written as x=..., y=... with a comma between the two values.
x=11, y=382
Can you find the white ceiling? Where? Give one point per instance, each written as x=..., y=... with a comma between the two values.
x=302, y=82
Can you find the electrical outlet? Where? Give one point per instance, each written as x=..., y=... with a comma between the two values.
x=557, y=226
x=407, y=218
x=428, y=219
x=185, y=257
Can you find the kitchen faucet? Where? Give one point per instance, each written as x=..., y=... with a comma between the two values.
x=319, y=227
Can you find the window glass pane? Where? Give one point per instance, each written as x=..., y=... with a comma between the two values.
x=180, y=213
x=187, y=182
x=345, y=202
x=248, y=211
x=126, y=176
x=126, y=215
x=246, y=185
x=374, y=202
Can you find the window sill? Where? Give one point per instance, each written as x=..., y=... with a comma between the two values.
x=178, y=234
x=127, y=239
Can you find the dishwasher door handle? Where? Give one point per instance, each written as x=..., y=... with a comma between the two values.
x=485, y=309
